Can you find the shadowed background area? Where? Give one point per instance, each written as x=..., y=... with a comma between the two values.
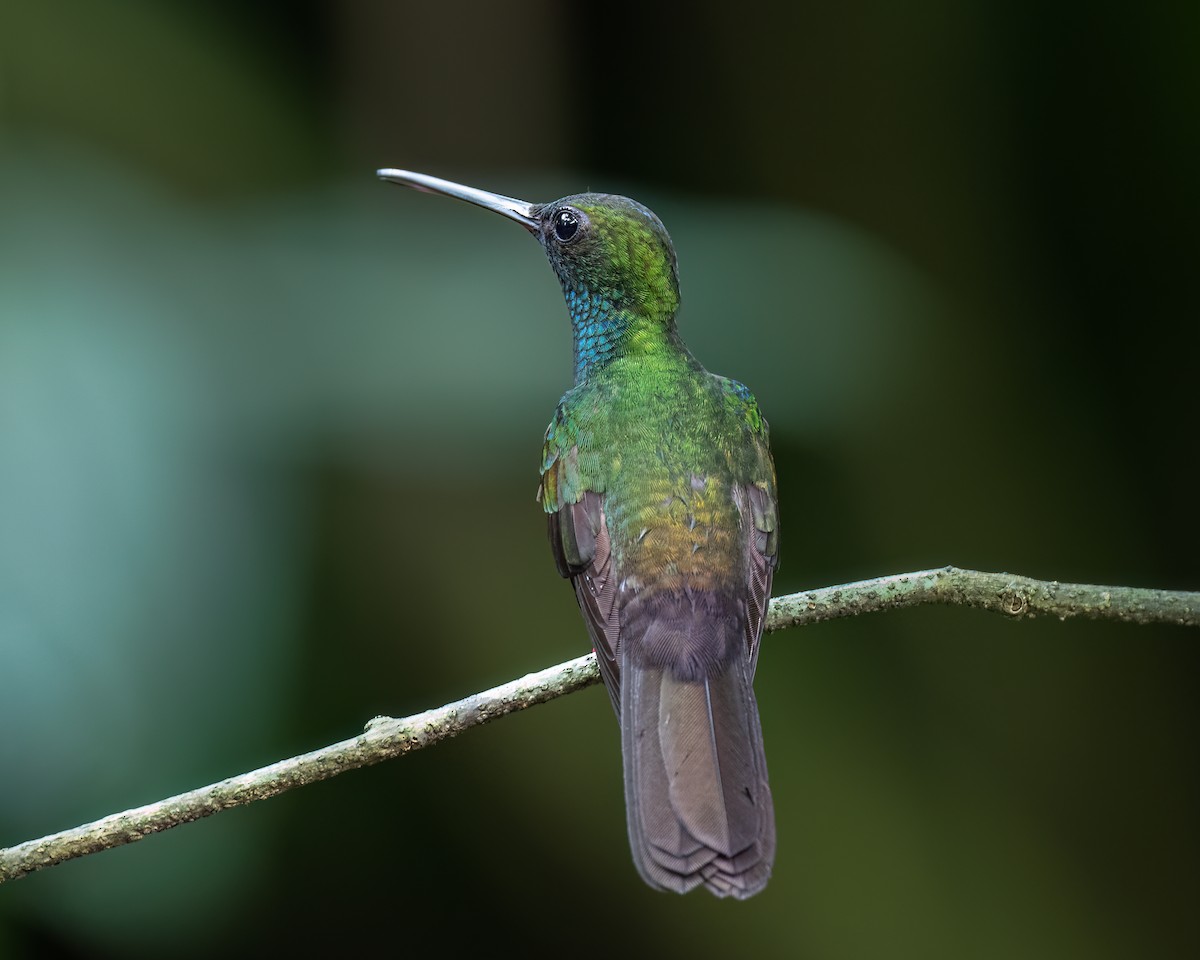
x=270, y=429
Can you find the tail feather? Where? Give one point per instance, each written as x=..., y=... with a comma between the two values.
x=698, y=802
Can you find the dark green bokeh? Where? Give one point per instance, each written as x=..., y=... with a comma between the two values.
x=265, y=422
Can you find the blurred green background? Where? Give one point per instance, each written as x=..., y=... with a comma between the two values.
x=264, y=421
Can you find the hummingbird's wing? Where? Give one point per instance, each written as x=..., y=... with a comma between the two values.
x=754, y=495
x=760, y=520
x=578, y=534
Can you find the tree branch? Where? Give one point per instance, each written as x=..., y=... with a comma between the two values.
x=385, y=737
x=1006, y=593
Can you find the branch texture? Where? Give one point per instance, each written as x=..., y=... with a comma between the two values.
x=386, y=737
x=1005, y=593
x=383, y=739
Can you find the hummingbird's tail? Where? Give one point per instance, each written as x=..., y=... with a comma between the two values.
x=696, y=792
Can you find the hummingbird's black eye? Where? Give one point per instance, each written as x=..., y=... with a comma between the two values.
x=566, y=225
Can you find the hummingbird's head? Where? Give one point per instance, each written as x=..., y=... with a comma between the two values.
x=604, y=248
x=611, y=247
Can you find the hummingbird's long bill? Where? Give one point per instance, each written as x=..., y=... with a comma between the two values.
x=523, y=213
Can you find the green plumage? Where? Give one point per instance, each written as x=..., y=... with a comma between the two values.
x=667, y=442
x=659, y=491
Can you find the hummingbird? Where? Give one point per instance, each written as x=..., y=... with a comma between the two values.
x=659, y=491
